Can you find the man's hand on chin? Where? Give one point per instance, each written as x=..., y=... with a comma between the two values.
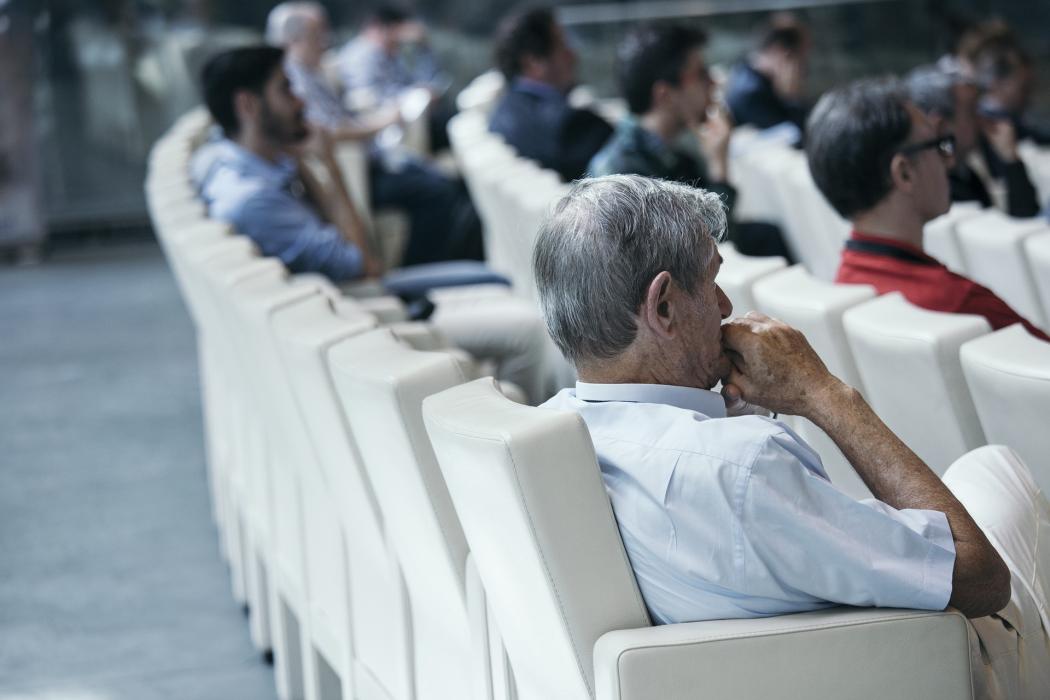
x=736, y=406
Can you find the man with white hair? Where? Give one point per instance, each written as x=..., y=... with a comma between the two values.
x=443, y=223
x=733, y=516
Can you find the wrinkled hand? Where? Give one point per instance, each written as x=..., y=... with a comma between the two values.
x=736, y=406
x=773, y=365
x=1002, y=136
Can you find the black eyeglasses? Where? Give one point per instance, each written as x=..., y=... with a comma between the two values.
x=945, y=145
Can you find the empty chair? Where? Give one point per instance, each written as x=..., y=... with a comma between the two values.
x=529, y=495
x=939, y=238
x=1037, y=251
x=1008, y=373
x=816, y=307
x=359, y=626
x=739, y=272
x=382, y=383
x=908, y=360
x=993, y=245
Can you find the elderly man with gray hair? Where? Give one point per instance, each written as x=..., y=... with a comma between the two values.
x=729, y=514
x=987, y=166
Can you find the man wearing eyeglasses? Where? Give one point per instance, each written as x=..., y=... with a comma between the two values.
x=881, y=164
x=987, y=166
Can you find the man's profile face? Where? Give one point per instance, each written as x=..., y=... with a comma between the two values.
x=561, y=63
x=701, y=331
x=694, y=88
x=931, y=193
x=281, y=116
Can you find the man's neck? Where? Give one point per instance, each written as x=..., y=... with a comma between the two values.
x=891, y=219
x=255, y=143
x=662, y=124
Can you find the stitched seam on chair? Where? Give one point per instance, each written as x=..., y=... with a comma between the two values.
x=789, y=630
x=461, y=579
x=546, y=570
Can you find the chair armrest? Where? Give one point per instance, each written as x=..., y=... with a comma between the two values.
x=387, y=309
x=835, y=653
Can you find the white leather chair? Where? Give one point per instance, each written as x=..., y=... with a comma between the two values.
x=939, y=238
x=276, y=495
x=908, y=360
x=815, y=307
x=528, y=491
x=382, y=383
x=993, y=245
x=1037, y=252
x=360, y=631
x=740, y=272
x=1008, y=373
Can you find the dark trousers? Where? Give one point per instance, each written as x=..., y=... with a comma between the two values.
x=442, y=222
x=759, y=238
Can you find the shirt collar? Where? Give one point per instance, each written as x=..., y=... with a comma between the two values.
x=893, y=243
x=708, y=403
x=233, y=154
x=647, y=143
x=541, y=90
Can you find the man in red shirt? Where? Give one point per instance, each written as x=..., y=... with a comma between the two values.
x=879, y=161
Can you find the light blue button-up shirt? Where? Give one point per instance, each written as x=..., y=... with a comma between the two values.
x=266, y=202
x=733, y=517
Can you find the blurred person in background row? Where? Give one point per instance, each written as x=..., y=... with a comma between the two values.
x=663, y=77
x=534, y=115
x=768, y=86
x=389, y=57
x=443, y=223
x=949, y=99
x=992, y=54
x=881, y=163
x=255, y=180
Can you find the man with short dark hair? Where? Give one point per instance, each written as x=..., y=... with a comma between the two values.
x=881, y=164
x=732, y=516
x=985, y=149
x=534, y=116
x=664, y=79
x=766, y=88
x=254, y=179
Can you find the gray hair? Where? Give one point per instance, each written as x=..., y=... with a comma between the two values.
x=932, y=89
x=289, y=21
x=602, y=245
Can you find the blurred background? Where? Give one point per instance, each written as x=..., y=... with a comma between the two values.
x=88, y=86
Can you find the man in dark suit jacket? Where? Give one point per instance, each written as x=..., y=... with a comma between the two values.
x=534, y=115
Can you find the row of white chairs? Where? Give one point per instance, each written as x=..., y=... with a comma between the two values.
x=400, y=533
x=942, y=382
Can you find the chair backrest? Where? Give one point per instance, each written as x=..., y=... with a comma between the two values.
x=815, y=307
x=1008, y=373
x=1037, y=252
x=908, y=359
x=993, y=245
x=382, y=383
x=526, y=485
x=740, y=272
x=940, y=240
x=380, y=634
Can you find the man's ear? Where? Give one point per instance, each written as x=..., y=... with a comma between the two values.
x=659, y=93
x=902, y=173
x=658, y=307
x=245, y=106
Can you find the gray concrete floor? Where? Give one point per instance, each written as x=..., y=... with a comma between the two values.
x=111, y=582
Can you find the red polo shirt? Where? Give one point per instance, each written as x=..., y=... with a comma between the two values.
x=925, y=282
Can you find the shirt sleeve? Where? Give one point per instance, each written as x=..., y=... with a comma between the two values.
x=284, y=227
x=983, y=301
x=801, y=533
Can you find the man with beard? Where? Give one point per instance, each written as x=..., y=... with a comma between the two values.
x=255, y=180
